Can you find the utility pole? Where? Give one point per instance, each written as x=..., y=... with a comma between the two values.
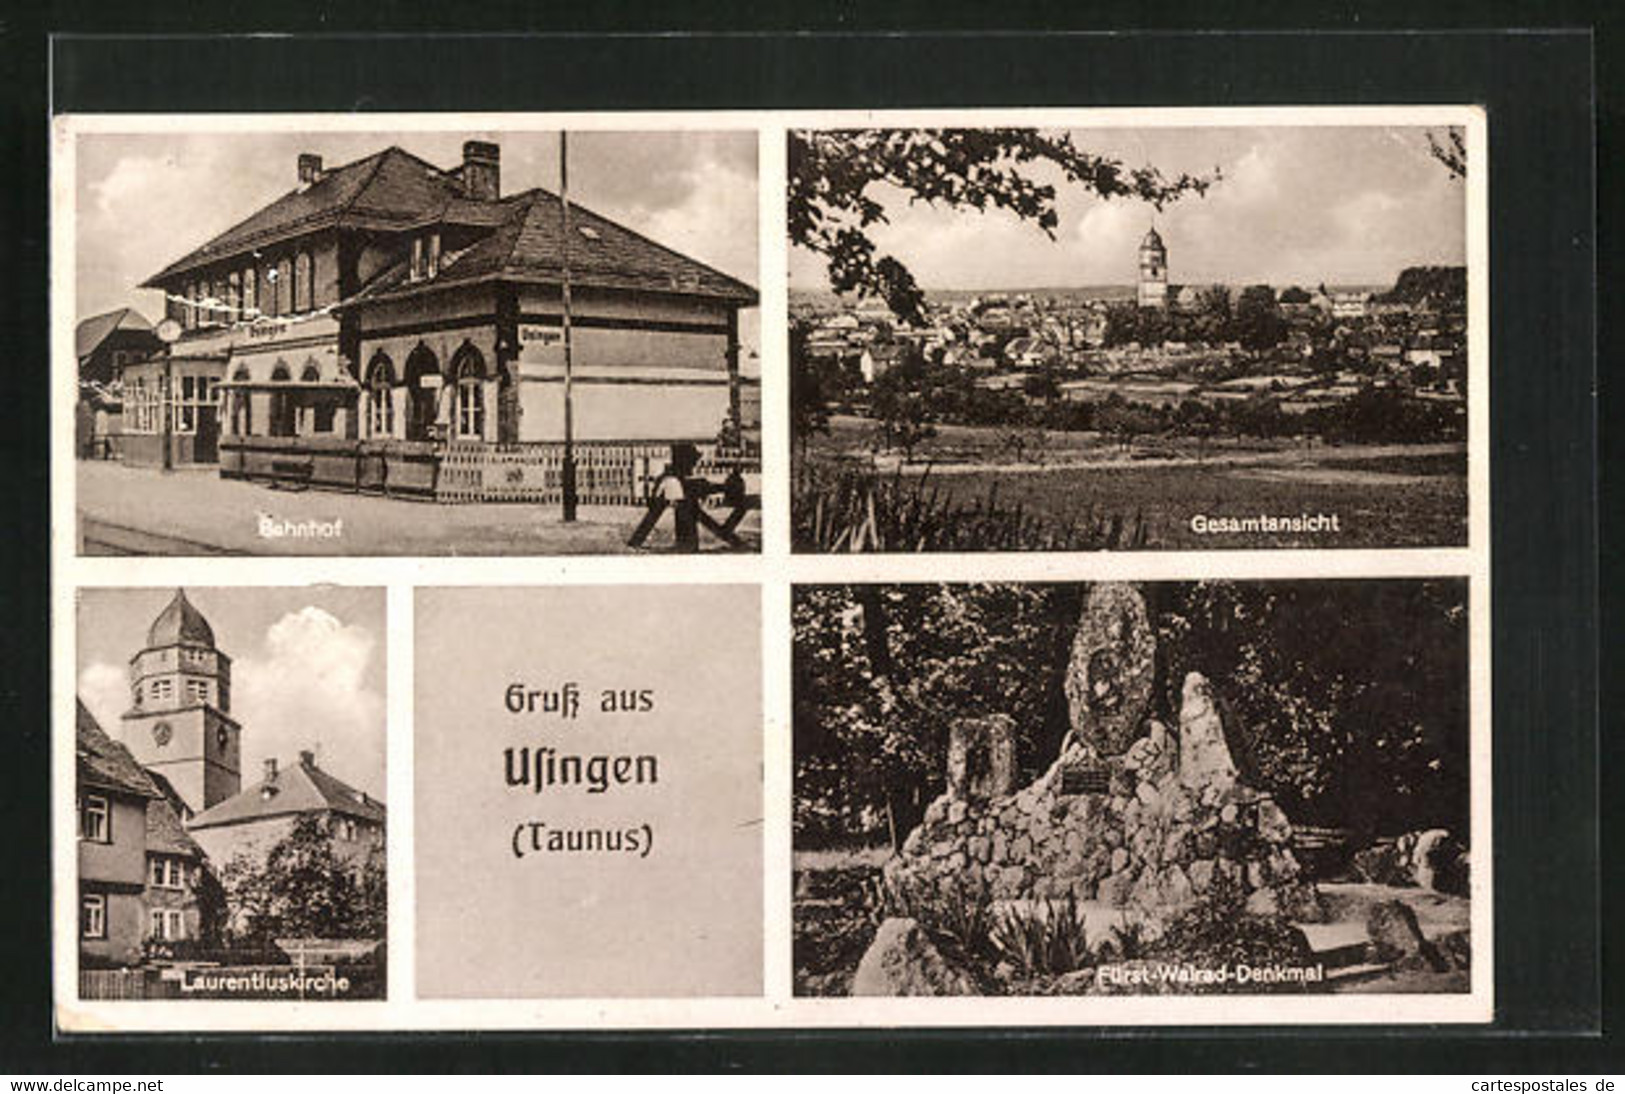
x=169, y=410
x=569, y=483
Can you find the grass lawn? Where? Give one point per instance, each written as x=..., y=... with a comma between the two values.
x=1428, y=512
x=1382, y=495
x=836, y=911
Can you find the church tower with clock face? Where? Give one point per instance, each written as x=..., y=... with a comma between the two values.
x=179, y=723
x=1153, y=288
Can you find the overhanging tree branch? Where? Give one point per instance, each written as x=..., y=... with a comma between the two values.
x=831, y=207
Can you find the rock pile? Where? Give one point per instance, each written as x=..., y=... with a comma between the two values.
x=1151, y=831
x=1129, y=814
x=1431, y=859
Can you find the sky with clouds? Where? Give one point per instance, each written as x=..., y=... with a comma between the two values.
x=144, y=200
x=307, y=669
x=1295, y=205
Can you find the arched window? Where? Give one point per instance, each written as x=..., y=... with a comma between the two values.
x=380, y=396
x=251, y=296
x=281, y=300
x=282, y=403
x=468, y=368
x=302, y=294
x=234, y=296
x=242, y=404
x=422, y=393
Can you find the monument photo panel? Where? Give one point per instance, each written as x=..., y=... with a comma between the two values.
x=1116, y=788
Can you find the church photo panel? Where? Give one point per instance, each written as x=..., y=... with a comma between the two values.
x=229, y=791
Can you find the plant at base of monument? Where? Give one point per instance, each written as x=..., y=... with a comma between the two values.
x=1131, y=940
x=955, y=912
x=837, y=179
x=1041, y=937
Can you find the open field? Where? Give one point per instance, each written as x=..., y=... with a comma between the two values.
x=1381, y=495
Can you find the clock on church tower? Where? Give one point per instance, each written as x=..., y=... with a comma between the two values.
x=179, y=723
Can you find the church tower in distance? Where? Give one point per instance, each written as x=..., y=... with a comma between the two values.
x=1153, y=271
x=179, y=724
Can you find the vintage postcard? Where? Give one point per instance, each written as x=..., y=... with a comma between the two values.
x=933, y=568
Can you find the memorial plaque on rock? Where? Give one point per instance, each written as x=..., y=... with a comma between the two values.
x=1083, y=777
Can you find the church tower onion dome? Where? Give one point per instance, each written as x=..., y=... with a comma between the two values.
x=180, y=624
x=1152, y=240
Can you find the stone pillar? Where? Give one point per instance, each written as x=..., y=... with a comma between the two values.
x=1204, y=756
x=1109, y=679
x=981, y=758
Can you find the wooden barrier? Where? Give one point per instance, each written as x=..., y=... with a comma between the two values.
x=469, y=472
x=114, y=984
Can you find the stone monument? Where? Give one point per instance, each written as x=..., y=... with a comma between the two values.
x=981, y=757
x=1110, y=676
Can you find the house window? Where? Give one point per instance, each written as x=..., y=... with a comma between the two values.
x=163, y=689
x=282, y=404
x=186, y=401
x=433, y=258
x=92, y=916
x=168, y=925
x=470, y=373
x=208, y=293
x=197, y=691
x=95, y=819
x=166, y=873
x=303, y=295
x=152, y=407
x=380, y=404
x=344, y=828
x=242, y=404
x=415, y=270
x=250, y=292
x=234, y=296
x=280, y=275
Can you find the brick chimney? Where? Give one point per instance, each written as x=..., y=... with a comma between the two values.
x=482, y=170
x=307, y=758
x=310, y=168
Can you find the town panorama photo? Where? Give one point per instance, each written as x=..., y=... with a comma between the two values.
x=1129, y=338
